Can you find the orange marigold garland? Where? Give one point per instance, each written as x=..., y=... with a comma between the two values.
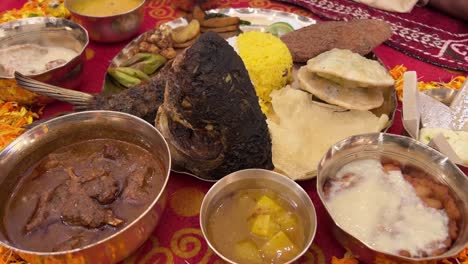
x=35, y=8
x=397, y=74
x=12, y=119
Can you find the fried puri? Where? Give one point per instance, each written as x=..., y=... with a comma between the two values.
x=360, y=36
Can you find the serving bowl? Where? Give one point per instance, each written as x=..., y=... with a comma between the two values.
x=49, y=32
x=259, y=179
x=407, y=151
x=109, y=29
x=37, y=142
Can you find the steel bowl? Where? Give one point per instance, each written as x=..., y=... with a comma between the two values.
x=49, y=31
x=109, y=29
x=408, y=152
x=259, y=179
x=30, y=147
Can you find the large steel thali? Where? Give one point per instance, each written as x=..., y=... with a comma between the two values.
x=260, y=19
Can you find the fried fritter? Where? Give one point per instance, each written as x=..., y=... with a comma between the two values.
x=360, y=36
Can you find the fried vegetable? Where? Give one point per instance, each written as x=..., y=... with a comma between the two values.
x=220, y=29
x=219, y=22
x=185, y=44
x=127, y=76
x=186, y=33
x=214, y=15
x=145, y=62
x=198, y=14
x=248, y=251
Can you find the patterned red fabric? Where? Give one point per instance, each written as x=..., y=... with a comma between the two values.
x=424, y=34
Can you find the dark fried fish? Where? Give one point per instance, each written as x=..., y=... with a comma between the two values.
x=210, y=115
x=360, y=36
x=142, y=100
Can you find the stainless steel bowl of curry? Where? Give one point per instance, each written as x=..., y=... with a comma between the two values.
x=258, y=216
x=87, y=187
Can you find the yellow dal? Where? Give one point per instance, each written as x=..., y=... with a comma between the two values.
x=104, y=7
x=268, y=62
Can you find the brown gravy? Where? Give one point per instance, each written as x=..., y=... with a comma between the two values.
x=80, y=194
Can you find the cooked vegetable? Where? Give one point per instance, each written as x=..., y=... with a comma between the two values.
x=220, y=29
x=145, y=62
x=218, y=22
x=127, y=76
x=264, y=225
x=267, y=205
x=185, y=44
x=198, y=14
x=186, y=33
x=248, y=251
x=279, y=246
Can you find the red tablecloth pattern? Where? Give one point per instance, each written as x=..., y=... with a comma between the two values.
x=424, y=34
x=178, y=238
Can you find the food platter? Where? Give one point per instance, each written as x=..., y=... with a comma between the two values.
x=200, y=109
x=259, y=20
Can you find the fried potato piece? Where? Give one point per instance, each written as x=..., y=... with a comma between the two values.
x=186, y=33
x=219, y=22
x=220, y=29
x=360, y=36
x=187, y=43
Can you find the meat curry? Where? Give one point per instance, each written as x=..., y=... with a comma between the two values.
x=80, y=194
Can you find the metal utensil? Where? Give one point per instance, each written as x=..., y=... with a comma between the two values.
x=407, y=151
x=37, y=142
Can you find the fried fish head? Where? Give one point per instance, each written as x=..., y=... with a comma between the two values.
x=211, y=115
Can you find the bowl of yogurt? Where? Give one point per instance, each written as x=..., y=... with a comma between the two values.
x=48, y=49
x=393, y=199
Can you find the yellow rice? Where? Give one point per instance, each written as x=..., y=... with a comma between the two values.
x=268, y=62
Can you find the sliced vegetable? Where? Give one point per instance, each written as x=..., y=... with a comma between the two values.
x=126, y=76
x=145, y=62
x=280, y=28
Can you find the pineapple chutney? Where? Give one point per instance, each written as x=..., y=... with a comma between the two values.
x=256, y=226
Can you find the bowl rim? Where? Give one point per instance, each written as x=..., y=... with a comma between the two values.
x=74, y=12
x=36, y=21
x=273, y=176
x=379, y=135
x=7, y=149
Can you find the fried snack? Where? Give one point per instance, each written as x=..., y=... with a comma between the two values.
x=220, y=22
x=186, y=44
x=220, y=29
x=333, y=93
x=198, y=14
x=186, y=33
x=360, y=36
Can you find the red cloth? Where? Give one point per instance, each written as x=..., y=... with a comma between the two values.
x=424, y=34
x=178, y=239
